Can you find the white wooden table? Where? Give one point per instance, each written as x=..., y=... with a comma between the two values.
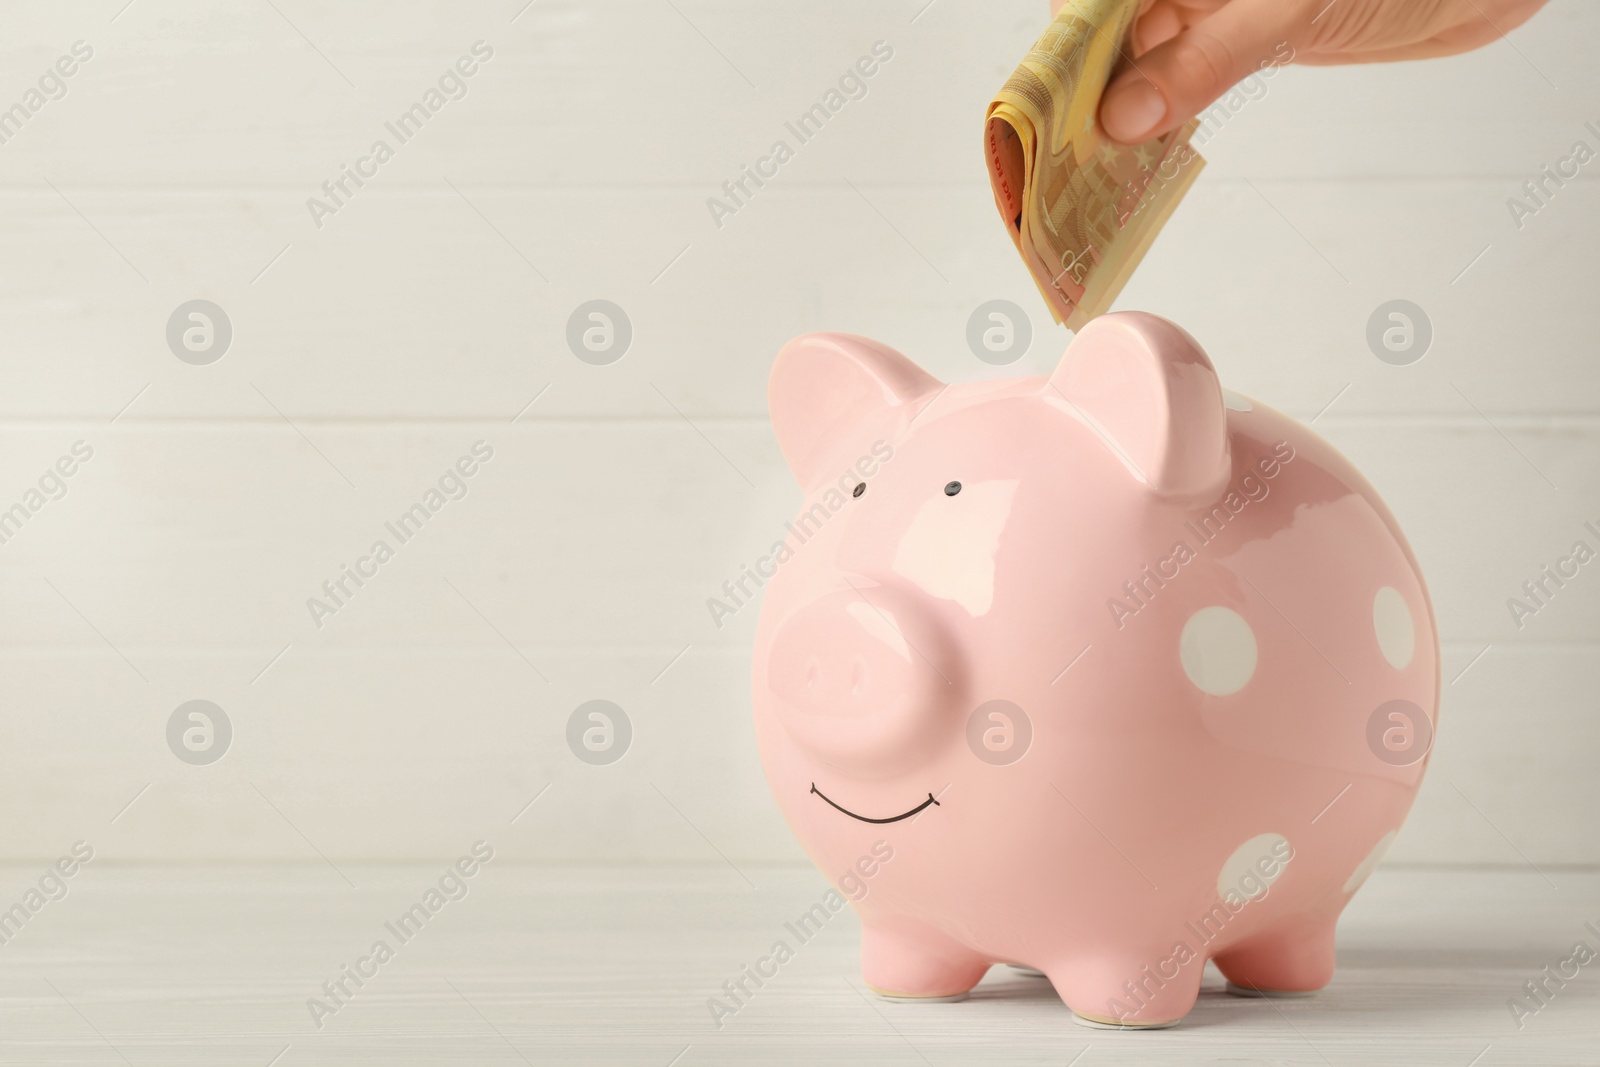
x=209, y=965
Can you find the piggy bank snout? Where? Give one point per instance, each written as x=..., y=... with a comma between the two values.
x=863, y=680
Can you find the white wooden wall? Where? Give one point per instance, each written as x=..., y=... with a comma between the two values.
x=368, y=354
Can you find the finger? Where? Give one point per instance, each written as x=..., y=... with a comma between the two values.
x=1155, y=27
x=1173, y=82
x=1433, y=48
x=1483, y=29
x=1472, y=34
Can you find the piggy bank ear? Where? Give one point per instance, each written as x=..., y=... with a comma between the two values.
x=832, y=395
x=1153, y=396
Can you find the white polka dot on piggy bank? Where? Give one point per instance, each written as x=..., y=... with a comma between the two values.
x=1395, y=630
x=1218, y=651
x=1250, y=870
x=1222, y=643
x=1369, y=864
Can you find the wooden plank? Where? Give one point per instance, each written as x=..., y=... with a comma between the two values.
x=424, y=305
x=636, y=94
x=610, y=534
x=176, y=965
x=367, y=755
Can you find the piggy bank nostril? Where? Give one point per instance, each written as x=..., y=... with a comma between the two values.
x=858, y=677
x=811, y=674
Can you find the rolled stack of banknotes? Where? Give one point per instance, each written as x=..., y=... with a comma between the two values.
x=1080, y=208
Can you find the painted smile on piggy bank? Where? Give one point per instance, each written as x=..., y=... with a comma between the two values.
x=1137, y=643
x=893, y=818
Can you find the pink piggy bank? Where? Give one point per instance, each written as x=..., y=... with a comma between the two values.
x=1104, y=674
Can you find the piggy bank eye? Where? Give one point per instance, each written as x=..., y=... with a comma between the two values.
x=861, y=487
x=952, y=489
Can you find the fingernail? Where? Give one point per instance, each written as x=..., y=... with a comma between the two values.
x=1133, y=110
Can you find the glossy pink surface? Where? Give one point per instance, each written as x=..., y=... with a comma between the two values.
x=1215, y=652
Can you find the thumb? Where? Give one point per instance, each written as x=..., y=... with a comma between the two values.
x=1170, y=84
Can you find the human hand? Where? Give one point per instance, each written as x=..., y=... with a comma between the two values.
x=1187, y=53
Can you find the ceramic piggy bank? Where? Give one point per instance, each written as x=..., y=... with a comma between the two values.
x=1103, y=674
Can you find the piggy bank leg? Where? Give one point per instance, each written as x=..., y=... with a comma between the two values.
x=1129, y=990
x=904, y=958
x=1286, y=961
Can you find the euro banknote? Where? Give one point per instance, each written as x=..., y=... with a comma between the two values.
x=1081, y=208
